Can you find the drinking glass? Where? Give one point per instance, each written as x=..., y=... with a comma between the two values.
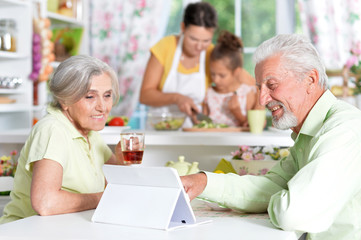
x=132, y=145
x=256, y=120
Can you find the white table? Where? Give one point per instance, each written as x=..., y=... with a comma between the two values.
x=225, y=225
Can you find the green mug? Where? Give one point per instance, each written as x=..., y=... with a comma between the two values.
x=256, y=120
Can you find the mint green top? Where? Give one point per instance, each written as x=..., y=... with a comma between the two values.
x=317, y=189
x=55, y=138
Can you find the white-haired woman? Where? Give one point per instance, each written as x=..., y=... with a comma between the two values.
x=60, y=166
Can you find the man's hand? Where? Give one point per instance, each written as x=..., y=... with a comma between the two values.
x=194, y=184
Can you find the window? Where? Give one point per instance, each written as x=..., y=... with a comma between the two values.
x=253, y=20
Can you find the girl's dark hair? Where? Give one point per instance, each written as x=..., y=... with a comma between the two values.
x=229, y=46
x=200, y=14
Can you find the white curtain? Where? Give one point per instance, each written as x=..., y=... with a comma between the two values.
x=121, y=33
x=334, y=27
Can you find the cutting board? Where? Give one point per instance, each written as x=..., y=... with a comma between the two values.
x=6, y=100
x=229, y=129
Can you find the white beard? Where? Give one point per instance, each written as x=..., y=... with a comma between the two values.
x=286, y=121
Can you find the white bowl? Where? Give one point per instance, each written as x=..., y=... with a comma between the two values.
x=166, y=121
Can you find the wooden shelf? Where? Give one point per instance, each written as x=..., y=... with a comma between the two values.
x=11, y=91
x=9, y=3
x=58, y=19
x=14, y=107
x=12, y=55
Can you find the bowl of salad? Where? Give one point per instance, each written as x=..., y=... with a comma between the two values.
x=166, y=121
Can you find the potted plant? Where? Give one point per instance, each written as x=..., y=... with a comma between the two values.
x=353, y=65
x=248, y=160
x=7, y=171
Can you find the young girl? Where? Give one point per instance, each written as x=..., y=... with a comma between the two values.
x=233, y=90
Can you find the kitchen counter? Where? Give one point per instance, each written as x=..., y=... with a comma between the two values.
x=165, y=138
x=207, y=148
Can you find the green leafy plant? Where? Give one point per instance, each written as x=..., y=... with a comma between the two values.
x=354, y=65
x=8, y=164
x=248, y=153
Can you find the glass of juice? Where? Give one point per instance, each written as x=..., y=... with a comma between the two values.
x=132, y=145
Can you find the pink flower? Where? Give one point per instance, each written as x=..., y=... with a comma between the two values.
x=259, y=156
x=356, y=49
x=244, y=148
x=14, y=152
x=351, y=61
x=235, y=153
x=263, y=171
x=141, y=4
x=247, y=156
x=243, y=171
x=133, y=44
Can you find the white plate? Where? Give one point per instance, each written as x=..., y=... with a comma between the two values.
x=110, y=129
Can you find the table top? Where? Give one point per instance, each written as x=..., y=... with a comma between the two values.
x=231, y=225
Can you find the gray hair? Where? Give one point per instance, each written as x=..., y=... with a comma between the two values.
x=297, y=52
x=73, y=77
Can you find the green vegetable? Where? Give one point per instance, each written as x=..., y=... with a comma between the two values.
x=173, y=124
x=204, y=124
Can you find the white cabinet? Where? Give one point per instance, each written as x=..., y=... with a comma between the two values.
x=60, y=21
x=17, y=64
x=19, y=115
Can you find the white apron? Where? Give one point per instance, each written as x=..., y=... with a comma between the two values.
x=191, y=85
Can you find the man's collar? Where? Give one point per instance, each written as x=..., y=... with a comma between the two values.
x=317, y=115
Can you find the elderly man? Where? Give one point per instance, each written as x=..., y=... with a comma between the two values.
x=317, y=188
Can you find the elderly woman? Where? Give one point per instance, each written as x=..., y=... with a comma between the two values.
x=60, y=166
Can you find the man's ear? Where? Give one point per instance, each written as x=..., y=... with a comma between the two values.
x=312, y=80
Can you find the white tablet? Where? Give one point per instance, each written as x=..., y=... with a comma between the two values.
x=151, y=197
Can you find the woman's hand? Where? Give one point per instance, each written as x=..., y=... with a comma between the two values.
x=233, y=104
x=117, y=158
x=186, y=104
x=194, y=184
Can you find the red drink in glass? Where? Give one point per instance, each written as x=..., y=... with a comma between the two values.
x=133, y=157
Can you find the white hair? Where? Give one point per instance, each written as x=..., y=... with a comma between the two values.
x=297, y=53
x=73, y=77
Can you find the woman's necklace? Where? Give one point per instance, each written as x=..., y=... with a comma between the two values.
x=189, y=62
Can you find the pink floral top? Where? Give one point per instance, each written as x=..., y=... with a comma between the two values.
x=218, y=104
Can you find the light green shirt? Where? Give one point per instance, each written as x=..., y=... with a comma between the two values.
x=317, y=189
x=55, y=138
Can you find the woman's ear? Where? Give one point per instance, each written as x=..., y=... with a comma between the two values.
x=182, y=27
x=63, y=106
